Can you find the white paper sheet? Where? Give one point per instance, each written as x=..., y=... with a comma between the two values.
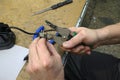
x=11, y=62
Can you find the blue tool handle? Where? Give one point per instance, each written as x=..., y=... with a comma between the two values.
x=41, y=28
x=51, y=41
x=57, y=34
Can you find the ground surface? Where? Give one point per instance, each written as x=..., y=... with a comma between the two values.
x=106, y=12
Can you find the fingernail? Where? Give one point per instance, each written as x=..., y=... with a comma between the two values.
x=66, y=44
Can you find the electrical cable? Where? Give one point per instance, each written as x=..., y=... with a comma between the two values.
x=29, y=33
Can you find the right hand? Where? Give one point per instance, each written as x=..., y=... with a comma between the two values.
x=84, y=35
x=44, y=62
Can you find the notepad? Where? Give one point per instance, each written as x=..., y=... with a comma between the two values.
x=11, y=62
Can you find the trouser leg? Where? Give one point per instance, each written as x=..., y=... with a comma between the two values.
x=96, y=66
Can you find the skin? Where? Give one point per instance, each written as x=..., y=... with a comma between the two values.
x=44, y=61
x=95, y=37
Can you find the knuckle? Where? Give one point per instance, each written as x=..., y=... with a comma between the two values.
x=40, y=45
x=47, y=64
x=76, y=51
x=58, y=57
x=28, y=69
x=35, y=67
x=83, y=33
x=32, y=68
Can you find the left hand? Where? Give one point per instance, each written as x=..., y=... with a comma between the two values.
x=44, y=62
x=84, y=35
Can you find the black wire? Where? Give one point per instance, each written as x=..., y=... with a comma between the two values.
x=12, y=27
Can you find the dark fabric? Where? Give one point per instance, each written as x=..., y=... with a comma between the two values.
x=96, y=66
x=7, y=37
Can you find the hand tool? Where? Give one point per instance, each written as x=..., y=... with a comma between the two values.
x=54, y=7
x=64, y=33
x=40, y=29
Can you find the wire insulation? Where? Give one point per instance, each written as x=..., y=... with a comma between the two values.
x=29, y=33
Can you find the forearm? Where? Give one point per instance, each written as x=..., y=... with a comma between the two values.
x=109, y=42
x=109, y=34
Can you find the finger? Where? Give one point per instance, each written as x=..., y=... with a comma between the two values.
x=32, y=50
x=74, y=29
x=74, y=41
x=51, y=49
x=65, y=49
x=44, y=54
x=78, y=49
x=33, y=56
x=42, y=49
x=55, y=57
x=86, y=50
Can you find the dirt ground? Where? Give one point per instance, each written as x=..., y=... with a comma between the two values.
x=19, y=13
x=106, y=12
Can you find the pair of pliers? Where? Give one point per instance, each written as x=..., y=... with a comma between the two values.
x=63, y=34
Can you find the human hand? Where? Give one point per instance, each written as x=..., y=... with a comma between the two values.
x=84, y=35
x=44, y=62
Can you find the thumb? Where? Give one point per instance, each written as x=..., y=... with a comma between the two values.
x=76, y=40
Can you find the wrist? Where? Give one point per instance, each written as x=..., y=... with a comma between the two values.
x=102, y=34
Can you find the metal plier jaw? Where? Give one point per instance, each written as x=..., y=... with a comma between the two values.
x=64, y=34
